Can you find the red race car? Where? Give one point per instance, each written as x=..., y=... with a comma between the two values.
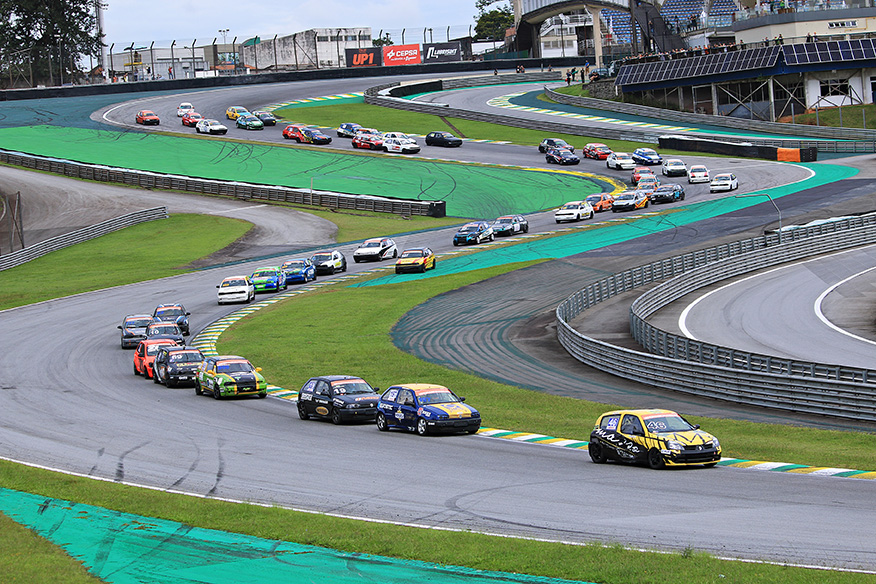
x=145, y=355
x=147, y=118
x=368, y=138
x=303, y=134
x=191, y=119
x=639, y=172
x=596, y=150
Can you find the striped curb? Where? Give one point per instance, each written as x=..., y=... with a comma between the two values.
x=504, y=101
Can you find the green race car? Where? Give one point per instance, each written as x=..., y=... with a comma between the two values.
x=269, y=279
x=229, y=375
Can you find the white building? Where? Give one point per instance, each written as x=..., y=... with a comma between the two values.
x=310, y=49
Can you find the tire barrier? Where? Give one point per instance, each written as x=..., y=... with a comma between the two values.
x=239, y=190
x=680, y=364
x=32, y=252
x=825, y=138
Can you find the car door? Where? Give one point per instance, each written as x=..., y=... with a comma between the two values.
x=322, y=399
x=139, y=356
x=407, y=412
x=632, y=438
x=159, y=365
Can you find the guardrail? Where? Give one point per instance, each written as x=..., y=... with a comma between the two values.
x=36, y=250
x=687, y=366
x=851, y=139
x=239, y=190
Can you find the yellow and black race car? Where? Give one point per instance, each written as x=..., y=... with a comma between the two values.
x=656, y=437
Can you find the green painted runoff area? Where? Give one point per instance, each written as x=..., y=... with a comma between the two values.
x=123, y=548
x=469, y=190
x=616, y=230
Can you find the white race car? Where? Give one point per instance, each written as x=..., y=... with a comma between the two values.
x=698, y=173
x=402, y=145
x=620, y=161
x=726, y=181
x=184, y=108
x=379, y=248
x=206, y=126
x=235, y=289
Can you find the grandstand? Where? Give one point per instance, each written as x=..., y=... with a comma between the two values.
x=680, y=16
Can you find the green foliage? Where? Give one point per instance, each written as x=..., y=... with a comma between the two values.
x=384, y=41
x=847, y=116
x=491, y=25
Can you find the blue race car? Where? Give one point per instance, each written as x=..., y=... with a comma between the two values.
x=348, y=129
x=646, y=156
x=299, y=270
x=474, y=232
x=425, y=408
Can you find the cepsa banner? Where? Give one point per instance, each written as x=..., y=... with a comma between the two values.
x=369, y=57
x=401, y=55
x=442, y=52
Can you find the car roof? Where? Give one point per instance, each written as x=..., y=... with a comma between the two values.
x=158, y=342
x=132, y=316
x=418, y=387
x=377, y=239
x=235, y=277
x=642, y=412
x=414, y=249
x=227, y=358
x=336, y=377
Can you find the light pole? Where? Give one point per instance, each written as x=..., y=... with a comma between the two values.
x=774, y=205
x=60, y=62
x=224, y=32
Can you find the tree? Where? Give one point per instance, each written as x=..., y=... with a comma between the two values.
x=492, y=24
x=57, y=33
x=383, y=41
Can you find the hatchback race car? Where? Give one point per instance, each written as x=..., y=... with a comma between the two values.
x=646, y=156
x=657, y=438
x=147, y=118
x=674, y=167
x=400, y=145
x=596, y=151
x=191, y=119
x=267, y=118
x=302, y=134
x=474, y=232
x=184, y=108
x=165, y=330
x=620, y=161
x=210, y=127
x=348, y=129
x=648, y=183
x=510, y=224
x=638, y=173
x=340, y=398
x=175, y=313
x=329, y=262
x=235, y=111
x=369, y=139
x=726, y=181
x=549, y=143
x=600, y=202
x=145, y=353
x=574, y=211
x=425, y=408
x=235, y=289
x=228, y=376
x=133, y=329
x=268, y=279
x=698, y=173
x=376, y=249
x=667, y=194
x=299, y=270
x=561, y=157
x=630, y=201
x=249, y=122
x=417, y=259
x=443, y=139
x=173, y=366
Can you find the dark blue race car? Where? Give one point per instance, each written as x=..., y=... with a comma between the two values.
x=561, y=156
x=299, y=270
x=425, y=408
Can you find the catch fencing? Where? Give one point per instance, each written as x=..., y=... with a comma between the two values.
x=238, y=190
x=32, y=252
x=687, y=366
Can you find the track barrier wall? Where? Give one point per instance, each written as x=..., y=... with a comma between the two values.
x=687, y=366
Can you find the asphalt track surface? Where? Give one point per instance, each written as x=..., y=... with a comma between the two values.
x=82, y=410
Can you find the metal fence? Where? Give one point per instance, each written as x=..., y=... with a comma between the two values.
x=239, y=190
x=717, y=372
x=32, y=252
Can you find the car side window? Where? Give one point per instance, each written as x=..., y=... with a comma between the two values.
x=391, y=395
x=406, y=398
x=632, y=426
x=308, y=387
x=322, y=388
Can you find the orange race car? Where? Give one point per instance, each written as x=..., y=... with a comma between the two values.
x=600, y=202
x=145, y=355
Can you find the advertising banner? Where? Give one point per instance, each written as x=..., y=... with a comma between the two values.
x=442, y=52
x=370, y=57
x=401, y=55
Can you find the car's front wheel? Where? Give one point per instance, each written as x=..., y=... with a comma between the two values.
x=216, y=393
x=597, y=454
x=302, y=413
x=655, y=459
x=422, y=429
x=381, y=422
x=336, y=416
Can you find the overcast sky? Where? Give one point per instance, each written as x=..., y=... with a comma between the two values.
x=127, y=21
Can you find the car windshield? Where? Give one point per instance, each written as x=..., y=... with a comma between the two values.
x=322, y=257
x=626, y=197
x=186, y=357
x=234, y=282
x=723, y=177
x=162, y=329
x=469, y=228
x=570, y=206
x=624, y=157
x=233, y=367
x=594, y=199
x=370, y=244
x=646, y=152
x=138, y=322
x=647, y=179
x=169, y=312
x=351, y=387
x=153, y=349
x=675, y=163
x=438, y=396
x=294, y=265
x=264, y=274
x=214, y=123
x=698, y=169
x=560, y=143
x=666, y=188
x=666, y=423
x=413, y=253
x=504, y=220
x=564, y=153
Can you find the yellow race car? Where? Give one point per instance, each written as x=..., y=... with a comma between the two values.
x=235, y=112
x=656, y=437
x=415, y=260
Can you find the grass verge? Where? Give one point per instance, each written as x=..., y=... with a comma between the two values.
x=151, y=250
x=847, y=116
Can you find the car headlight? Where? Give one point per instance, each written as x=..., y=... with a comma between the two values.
x=674, y=445
x=715, y=443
